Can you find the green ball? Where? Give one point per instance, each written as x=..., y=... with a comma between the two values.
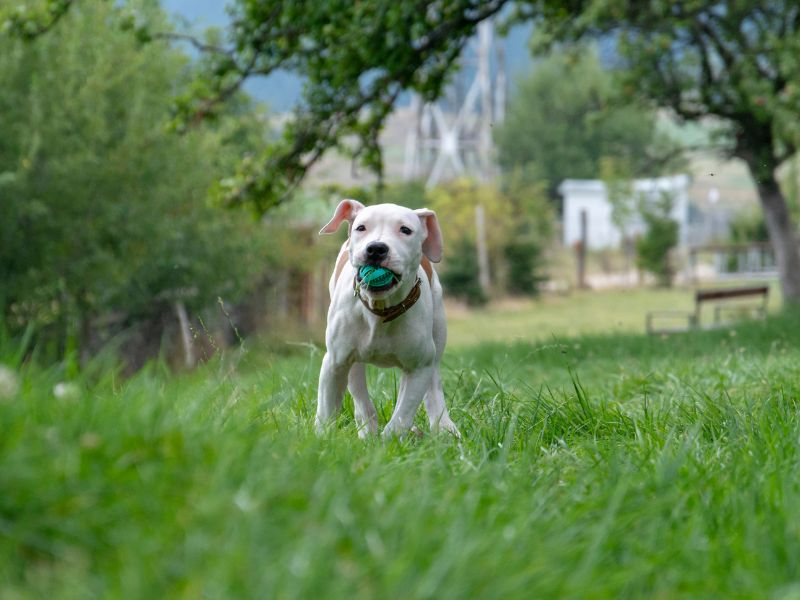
x=375, y=277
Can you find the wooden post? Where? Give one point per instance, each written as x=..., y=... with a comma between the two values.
x=186, y=335
x=693, y=266
x=483, y=254
x=580, y=249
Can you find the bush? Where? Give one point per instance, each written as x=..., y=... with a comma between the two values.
x=653, y=248
x=523, y=251
x=568, y=114
x=104, y=214
x=460, y=275
x=748, y=227
x=523, y=256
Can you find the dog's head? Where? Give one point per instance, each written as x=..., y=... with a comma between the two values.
x=389, y=236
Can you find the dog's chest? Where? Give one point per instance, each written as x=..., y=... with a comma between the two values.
x=387, y=346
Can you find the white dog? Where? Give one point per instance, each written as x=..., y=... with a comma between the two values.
x=398, y=325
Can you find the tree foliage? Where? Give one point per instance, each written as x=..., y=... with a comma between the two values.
x=735, y=60
x=531, y=232
x=102, y=210
x=356, y=58
x=660, y=237
x=568, y=115
x=460, y=277
x=518, y=219
x=748, y=227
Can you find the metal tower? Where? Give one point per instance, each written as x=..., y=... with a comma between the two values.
x=453, y=136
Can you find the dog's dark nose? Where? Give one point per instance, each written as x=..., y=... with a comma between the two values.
x=377, y=251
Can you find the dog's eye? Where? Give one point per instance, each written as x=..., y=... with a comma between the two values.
x=406, y=230
x=361, y=228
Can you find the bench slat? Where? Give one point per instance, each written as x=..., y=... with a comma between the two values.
x=719, y=294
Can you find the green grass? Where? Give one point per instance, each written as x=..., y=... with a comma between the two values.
x=574, y=314
x=603, y=466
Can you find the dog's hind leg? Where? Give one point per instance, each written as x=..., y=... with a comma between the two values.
x=365, y=414
x=438, y=416
x=412, y=388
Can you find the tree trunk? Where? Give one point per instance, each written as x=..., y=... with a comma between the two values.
x=782, y=235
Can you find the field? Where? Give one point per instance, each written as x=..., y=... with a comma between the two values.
x=592, y=465
x=575, y=314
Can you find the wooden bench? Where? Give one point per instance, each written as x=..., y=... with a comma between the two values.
x=720, y=298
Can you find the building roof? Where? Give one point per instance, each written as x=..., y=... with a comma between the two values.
x=598, y=186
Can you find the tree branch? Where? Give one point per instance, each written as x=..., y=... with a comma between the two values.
x=195, y=42
x=30, y=29
x=208, y=104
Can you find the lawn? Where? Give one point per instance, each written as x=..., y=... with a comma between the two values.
x=576, y=313
x=599, y=465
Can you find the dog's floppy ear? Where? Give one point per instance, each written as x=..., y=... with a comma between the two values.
x=346, y=211
x=432, y=246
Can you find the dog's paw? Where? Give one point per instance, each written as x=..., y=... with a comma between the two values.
x=394, y=430
x=321, y=427
x=447, y=426
x=365, y=432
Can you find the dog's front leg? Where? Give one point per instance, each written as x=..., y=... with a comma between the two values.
x=412, y=388
x=332, y=381
x=437, y=410
x=363, y=409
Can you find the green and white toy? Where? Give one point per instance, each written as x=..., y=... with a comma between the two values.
x=375, y=277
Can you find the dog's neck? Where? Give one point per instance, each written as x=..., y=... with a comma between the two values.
x=389, y=314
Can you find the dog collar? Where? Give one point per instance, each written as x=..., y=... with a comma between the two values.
x=392, y=312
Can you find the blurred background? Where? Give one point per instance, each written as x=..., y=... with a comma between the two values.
x=565, y=208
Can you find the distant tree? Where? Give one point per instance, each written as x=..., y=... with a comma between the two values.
x=527, y=238
x=568, y=115
x=518, y=220
x=734, y=60
x=356, y=57
x=617, y=177
x=460, y=277
x=406, y=193
x=653, y=248
x=523, y=253
x=748, y=227
x=456, y=205
x=102, y=210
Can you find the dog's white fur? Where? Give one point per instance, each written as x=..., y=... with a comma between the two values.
x=414, y=342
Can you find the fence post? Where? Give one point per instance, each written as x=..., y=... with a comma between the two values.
x=580, y=249
x=483, y=254
x=186, y=335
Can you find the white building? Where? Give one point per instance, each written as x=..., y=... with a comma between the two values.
x=591, y=195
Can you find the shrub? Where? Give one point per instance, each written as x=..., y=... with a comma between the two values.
x=460, y=275
x=749, y=227
x=653, y=248
x=529, y=233
x=523, y=256
x=104, y=214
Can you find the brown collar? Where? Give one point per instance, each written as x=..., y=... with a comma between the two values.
x=391, y=313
